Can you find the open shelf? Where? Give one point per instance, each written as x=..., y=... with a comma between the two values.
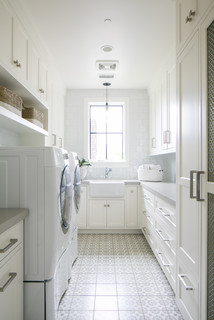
x=9, y=120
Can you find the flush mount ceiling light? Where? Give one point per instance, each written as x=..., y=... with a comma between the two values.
x=106, y=84
x=107, y=48
x=107, y=20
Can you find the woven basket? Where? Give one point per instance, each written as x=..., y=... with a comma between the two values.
x=33, y=115
x=10, y=101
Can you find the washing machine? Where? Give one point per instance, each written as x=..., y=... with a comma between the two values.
x=39, y=178
x=75, y=173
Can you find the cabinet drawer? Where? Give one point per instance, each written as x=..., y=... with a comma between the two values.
x=168, y=264
x=166, y=237
x=11, y=284
x=165, y=212
x=10, y=239
x=149, y=234
x=188, y=292
x=148, y=201
x=148, y=216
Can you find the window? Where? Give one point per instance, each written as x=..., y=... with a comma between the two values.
x=107, y=139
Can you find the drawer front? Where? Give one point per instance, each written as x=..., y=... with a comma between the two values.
x=10, y=239
x=148, y=198
x=11, y=286
x=167, y=262
x=149, y=234
x=165, y=212
x=166, y=237
x=148, y=217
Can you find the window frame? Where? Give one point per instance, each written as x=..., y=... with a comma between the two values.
x=114, y=101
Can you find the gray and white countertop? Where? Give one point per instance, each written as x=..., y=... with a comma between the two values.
x=10, y=217
x=165, y=190
x=136, y=182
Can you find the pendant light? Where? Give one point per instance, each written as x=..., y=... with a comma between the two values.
x=106, y=84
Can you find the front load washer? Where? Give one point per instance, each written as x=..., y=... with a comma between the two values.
x=75, y=172
x=39, y=178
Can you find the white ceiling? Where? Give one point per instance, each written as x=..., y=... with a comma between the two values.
x=141, y=32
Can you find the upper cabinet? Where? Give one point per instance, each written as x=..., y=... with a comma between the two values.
x=189, y=13
x=163, y=114
x=20, y=50
x=23, y=70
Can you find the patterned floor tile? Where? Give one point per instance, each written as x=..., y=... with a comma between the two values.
x=156, y=315
x=106, y=315
x=80, y=315
x=103, y=303
x=152, y=303
x=131, y=315
x=106, y=289
x=86, y=289
x=80, y=303
x=130, y=303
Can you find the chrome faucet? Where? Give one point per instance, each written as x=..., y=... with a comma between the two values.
x=107, y=170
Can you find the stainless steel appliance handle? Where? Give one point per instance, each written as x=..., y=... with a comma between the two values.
x=181, y=277
x=198, y=179
x=192, y=172
x=12, y=275
x=12, y=242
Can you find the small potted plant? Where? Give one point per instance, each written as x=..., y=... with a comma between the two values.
x=83, y=164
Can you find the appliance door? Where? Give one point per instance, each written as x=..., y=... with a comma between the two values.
x=66, y=198
x=77, y=187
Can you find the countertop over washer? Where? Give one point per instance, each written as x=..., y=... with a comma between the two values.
x=10, y=217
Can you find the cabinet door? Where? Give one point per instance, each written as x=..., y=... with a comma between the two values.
x=82, y=223
x=115, y=213
x=152, y=123
x=131, y=207
x=34, y=71
x=20, y=50
x=97, y=213
x=185, y=20
x=11, y=299
x=164, y=111
x=188, y=210
x=43, y=79
x=5, y=35
x=172, y=108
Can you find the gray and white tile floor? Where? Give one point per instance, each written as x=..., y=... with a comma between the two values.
x=117, y=277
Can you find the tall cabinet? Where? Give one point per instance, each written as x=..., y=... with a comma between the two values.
x=193, y=19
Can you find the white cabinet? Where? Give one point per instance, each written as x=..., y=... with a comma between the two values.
x=20, y=51
x=57, y=117
x=159, y=228
x=82, y=213
x=131, y=210
x=5, y=35
x=38, y=76
x=163, y=114
x=189, y=13
x=11, y=273
x=106, y=213
x=189, y=215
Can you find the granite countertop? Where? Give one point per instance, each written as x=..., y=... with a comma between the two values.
x=10, y=217
x=165, y=190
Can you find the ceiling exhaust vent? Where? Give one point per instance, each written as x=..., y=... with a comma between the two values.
x=106, y=76
x=107, y=65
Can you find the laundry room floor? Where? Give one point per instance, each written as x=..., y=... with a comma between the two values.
x=117, y=277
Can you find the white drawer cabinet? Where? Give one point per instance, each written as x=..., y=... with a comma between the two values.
x=11, y=273
x=159, y=228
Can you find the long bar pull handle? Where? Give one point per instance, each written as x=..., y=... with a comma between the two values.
x=191, y=184
x=12, y=275
x=181, y=277
x=159, y=232
x=161, y=259
x=198, y=178
x=12, y=242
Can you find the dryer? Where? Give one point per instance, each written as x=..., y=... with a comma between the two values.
x=75, y=172
x=39, y=178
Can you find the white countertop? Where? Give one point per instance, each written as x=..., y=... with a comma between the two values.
x=125, y=181
x=165, y=190
x=10, y=217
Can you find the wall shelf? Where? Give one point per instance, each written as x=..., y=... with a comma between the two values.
x=13, y=122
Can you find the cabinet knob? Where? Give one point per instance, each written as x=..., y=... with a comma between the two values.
x=41, y=90
x=189, y=17
x=17, y=63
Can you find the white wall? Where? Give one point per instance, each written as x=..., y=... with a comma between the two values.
x=138, y=128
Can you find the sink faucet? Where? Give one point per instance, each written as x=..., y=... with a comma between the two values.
x=107, y=170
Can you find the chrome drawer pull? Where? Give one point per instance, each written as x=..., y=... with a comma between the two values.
x=12, y=276
x=181, y=277
x=163, y=263
x=145, y=230
x=159, y=232
x=165, y=214
x=12, y=242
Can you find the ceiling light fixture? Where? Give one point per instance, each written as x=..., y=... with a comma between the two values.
x=107, y=20
x=107, y=48
x=106, y=84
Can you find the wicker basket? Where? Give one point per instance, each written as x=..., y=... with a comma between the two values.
x=33, y=115
x=10, y=101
